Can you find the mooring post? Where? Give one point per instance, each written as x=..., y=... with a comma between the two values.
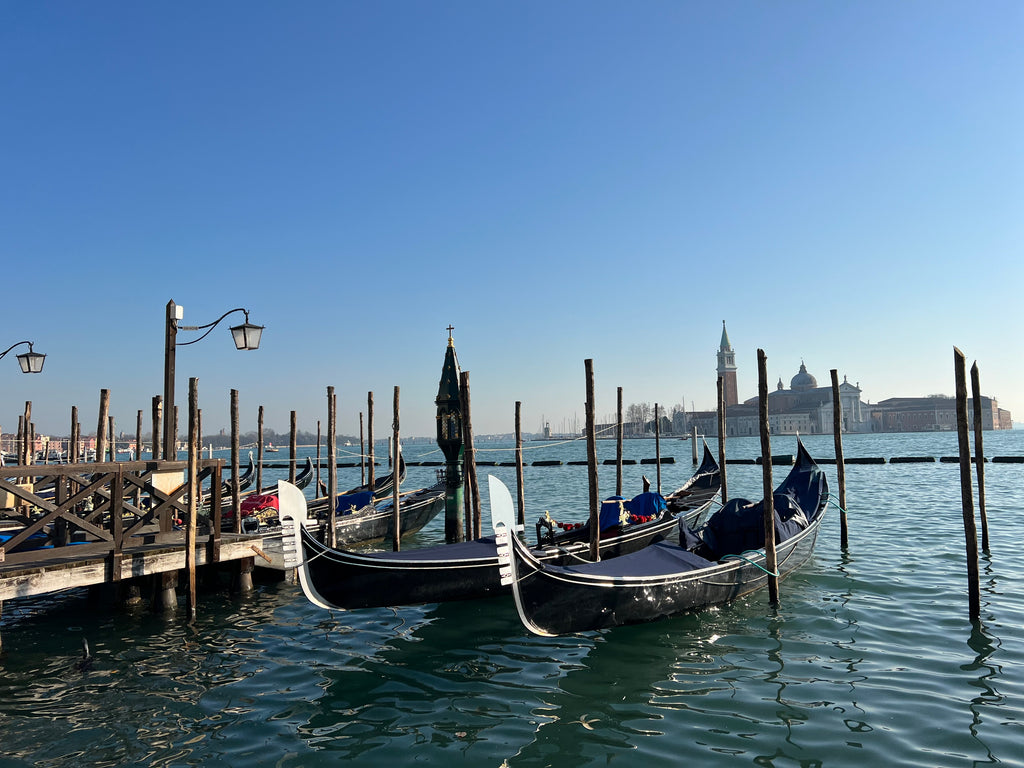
x=157, y=411
x=979, y=453
x=331, y=534
x=369, y=440
x=474, y=525
x=292, y=449
x=396, y=515
x=595, y=510
x=721, y=439
x=693, y=444
x=966, y=493
x=317, y=478
x=657, y=445
x=259, y=451
x=362, y=452
x=101, y=426
x=770, y=557
x=618, y=442
x=194, y=450
x=73, y=446
x=837, y=431
x=520, y=493
x=236, y=485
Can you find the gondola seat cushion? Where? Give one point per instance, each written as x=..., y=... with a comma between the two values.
x=349, y=502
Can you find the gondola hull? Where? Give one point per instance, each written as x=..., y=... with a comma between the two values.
x=346, y=579
x=377, y=523
x=662, y=580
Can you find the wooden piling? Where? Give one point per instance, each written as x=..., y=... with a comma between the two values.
x=396, y=477
x=317, y=480
x=657, y=446
x=236, y=485
x=332, y=465
x=292, y=448
x=369, y=440
x=979, y=454
x=113, y=439
x=837, y=431
x=966, y=493
x=362, y=452
x=770, y=557
x=474, y=522
x=101, y=426
x=721, y=439
x=73, y=446
x=595, y=510
x=157, y=412
x=693, y=444
x=27, y=442
x=618, y=442
x=520, y=492
x=259, y=451
x=194, y=449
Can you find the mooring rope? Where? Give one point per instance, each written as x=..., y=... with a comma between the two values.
x=829, y=498
x=751, y=562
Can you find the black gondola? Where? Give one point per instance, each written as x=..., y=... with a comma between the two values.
x=717, y=564
x=344, y=579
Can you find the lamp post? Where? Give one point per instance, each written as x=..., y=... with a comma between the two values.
x=31, y=361
x=246, y=336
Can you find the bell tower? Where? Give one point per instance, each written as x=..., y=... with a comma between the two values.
x=727, y=369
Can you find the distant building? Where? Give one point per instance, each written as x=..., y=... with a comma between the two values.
x=807, y=409
x=727, y=369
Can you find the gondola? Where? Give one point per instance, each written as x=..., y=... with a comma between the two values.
x=345, y=579
x=259, y=510
x=709, y=566
x=376, y=523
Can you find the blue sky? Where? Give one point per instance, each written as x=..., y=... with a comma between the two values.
x=843, y=183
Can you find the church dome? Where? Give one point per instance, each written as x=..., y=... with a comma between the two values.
x=803, y=380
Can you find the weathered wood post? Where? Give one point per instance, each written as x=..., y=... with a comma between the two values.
x=292, y=448
x=157, y=412
x=837, y=430
x=259, y=451
x=450, y=441
x=236, y=485
x=28, y=442
x=101, y=426
x=693, y=444
x=595, y=511
x=331, y=536
x=362, y=452
x=369, y=440
x=194, y=449
x=113, y=438
x=73, y=445
x=979, y=453
x=721, y=439
x=473, y=522
x=317, y=480
x=618, y=442
x=770, y=557
x=520, y=491
x=657, y=446
x=396, y=514
x=966, y=492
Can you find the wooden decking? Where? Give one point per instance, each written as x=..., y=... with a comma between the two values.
x=38, y=572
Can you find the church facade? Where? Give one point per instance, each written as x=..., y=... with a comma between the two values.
x=807, y=409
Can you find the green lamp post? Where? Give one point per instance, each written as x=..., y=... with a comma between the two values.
x=449, y=439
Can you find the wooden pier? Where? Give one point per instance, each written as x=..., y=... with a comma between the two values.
x=86, y=524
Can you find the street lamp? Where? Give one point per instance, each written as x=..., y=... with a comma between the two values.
x=246, y=336
x=30, y=362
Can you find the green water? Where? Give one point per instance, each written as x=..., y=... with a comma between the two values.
x=869, y=660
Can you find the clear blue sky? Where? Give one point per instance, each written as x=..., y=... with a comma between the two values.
x=843, y=183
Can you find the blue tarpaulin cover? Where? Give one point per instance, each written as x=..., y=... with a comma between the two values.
x=350, y=500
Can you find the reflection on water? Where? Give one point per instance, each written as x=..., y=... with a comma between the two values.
x=870, y=658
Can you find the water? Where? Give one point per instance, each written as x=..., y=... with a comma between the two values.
x=870, y=660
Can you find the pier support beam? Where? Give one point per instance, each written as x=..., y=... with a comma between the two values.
x=245, y=568
x=167, y=592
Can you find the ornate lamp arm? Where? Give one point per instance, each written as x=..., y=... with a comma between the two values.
x=208, y=326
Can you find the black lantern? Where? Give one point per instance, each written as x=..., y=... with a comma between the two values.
x=31, y=361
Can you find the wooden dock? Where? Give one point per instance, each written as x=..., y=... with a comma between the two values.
x=88, y=524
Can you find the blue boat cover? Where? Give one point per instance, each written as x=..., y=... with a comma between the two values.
x=645, y=504
x=348, y=501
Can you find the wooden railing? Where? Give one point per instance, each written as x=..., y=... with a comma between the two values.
x=116, y=504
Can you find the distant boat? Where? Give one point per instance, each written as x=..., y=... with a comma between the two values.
x=270, y=448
